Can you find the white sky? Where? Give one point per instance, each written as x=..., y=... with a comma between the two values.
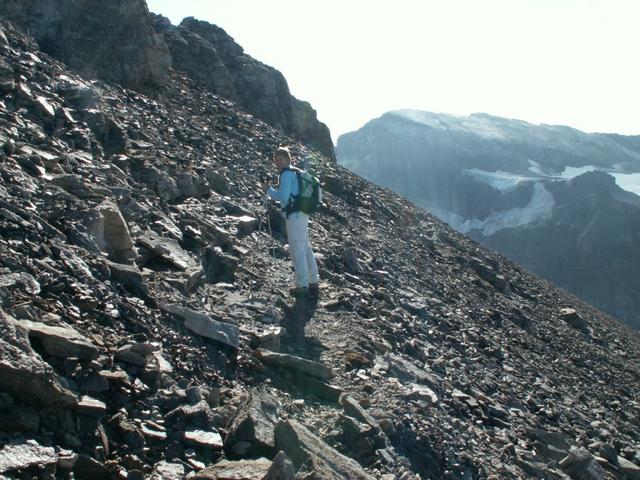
x=567, y=62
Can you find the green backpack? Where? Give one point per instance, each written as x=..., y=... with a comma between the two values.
x=310, y=197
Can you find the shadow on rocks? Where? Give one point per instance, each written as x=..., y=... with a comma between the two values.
x=297, y=317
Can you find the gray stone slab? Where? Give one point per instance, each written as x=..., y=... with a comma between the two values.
x=206, y=326
x=62, y=341
x=297, y=364
x=240, y=470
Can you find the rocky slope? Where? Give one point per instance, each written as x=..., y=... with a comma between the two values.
x=147, y=331
x=543, y=195
x=120, y=41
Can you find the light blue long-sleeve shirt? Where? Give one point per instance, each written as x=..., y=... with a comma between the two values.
x=288, y=186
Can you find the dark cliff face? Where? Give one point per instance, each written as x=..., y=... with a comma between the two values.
x=507, y=184
x=589, y=245
x=112, y=40
x=120, y=41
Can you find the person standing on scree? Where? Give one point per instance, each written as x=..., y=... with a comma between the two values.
x=304, y=261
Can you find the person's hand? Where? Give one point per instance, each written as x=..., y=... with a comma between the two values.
x=264, y=186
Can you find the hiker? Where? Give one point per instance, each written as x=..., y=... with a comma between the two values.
x=297, y=222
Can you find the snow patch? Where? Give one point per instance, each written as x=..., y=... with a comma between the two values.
x=539, y=207
x=479, y=125
x=499, y=180
x=626, y=181
x=572, y=172
x=536, y=169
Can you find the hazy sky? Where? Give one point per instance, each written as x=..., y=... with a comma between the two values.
x=568, y=62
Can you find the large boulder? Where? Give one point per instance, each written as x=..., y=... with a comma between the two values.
x=110, y=231
x=255, y=424
x=310, y=453
x=23, y=374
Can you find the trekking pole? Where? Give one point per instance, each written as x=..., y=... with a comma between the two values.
x=272, y=248
x=265, y=209
x=264, y=212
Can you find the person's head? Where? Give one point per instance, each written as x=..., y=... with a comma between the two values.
x=282, y=157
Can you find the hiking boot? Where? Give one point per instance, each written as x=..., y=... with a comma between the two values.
x=314, y=289
x=299, y=292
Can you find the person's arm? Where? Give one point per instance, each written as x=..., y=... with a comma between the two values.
x=286, y=188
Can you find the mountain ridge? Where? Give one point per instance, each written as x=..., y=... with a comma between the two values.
x=506, y=183
x=534, y=133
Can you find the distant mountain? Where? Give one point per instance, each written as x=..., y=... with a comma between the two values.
x=560, y=201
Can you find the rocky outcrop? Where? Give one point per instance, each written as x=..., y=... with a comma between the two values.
x=309, y=452
x=543, y=195
x=191, y=360
x=23, y=373
x=112, y=40
x=217, y=62
x=116, y=41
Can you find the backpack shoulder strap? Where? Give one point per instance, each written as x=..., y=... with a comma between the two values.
x=295, y=170
x=291, y=169
x=292, y=203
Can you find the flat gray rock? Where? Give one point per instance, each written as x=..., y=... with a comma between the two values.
x=240, y=470
x=131, y=279
x=205, y=325
x=167, y=471
x=91, y=407
x=297, y=364
x=168, y=249
x=63, y=342
x=204, y=439
x=629, y=469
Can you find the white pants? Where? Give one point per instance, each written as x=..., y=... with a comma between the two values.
x=304, y=262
